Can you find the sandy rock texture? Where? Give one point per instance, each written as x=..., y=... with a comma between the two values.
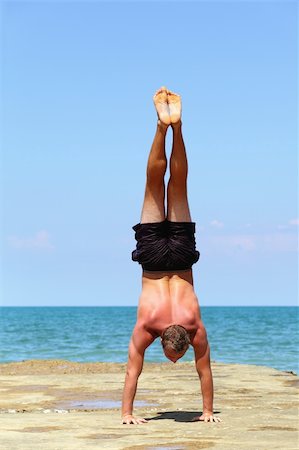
x=60, y=405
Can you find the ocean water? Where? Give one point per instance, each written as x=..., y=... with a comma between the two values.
x=265, y=336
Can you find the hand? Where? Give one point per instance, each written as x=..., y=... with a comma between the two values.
x=130, y=419
x=206, y=417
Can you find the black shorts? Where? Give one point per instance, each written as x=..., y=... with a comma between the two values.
x=165, y=246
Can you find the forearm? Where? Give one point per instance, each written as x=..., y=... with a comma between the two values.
x=129, y=394
x=207, y=390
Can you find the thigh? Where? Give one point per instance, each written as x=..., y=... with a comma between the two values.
x=178, y=209
x=153, y=209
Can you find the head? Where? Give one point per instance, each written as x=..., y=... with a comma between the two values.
x=175, y=342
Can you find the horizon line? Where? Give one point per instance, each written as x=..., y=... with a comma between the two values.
x=135, y=306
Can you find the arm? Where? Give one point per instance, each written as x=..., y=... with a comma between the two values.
x=203, y=367
x=139, y=342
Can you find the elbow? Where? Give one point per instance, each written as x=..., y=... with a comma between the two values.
x=204, y=373
x=132, y=374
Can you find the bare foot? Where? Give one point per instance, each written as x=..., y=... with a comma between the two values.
x=175, y=107
x=160, y=100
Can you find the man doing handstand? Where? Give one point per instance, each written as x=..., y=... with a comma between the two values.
x=168, y=306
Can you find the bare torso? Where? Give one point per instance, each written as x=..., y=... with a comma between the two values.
x=166, y=299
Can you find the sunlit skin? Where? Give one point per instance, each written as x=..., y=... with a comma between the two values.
x=167, y=298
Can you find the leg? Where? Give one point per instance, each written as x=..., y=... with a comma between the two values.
x=153, y=209
x=177, y=199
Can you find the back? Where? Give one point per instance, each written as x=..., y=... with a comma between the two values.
x=168, y=298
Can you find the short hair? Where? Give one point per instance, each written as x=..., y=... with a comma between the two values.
x=175, y=337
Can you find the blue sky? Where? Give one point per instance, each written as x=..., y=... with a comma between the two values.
x=77, y=124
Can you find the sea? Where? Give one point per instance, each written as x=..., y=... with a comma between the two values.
x=266, y=336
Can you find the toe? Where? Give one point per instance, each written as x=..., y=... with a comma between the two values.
x=162, y=90
x=172, y=97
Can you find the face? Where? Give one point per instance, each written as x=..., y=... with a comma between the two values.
x=172, y=355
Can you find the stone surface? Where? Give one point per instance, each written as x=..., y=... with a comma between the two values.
x=59, y=405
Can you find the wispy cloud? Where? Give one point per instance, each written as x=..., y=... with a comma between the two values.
x=279, y=242
x=289, y=225
x=229, y=243
x=40, y=241
x=294, y=221
x=217, y=223
x=269, y=242
x=283, y=227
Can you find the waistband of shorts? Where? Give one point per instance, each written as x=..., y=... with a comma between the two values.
x=163, y=222
x=166, y=272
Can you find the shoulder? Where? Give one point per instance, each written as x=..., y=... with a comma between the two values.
x=141, y=337
x=199, y=341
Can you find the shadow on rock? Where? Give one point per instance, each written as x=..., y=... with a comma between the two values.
x=178, y=416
